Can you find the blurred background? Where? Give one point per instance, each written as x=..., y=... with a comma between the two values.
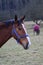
x=32, y=9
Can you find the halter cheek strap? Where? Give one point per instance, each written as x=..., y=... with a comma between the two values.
x=18, y=37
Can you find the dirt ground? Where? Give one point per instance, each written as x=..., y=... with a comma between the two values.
x=13, y=54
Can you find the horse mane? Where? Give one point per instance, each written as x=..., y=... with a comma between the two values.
x=6, y=23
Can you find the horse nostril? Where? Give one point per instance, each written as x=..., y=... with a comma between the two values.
x=26, y=47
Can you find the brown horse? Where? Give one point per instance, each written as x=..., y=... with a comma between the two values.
x=16, y=30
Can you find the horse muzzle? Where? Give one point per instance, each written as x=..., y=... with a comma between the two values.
x=26, y=44
x=26, y=47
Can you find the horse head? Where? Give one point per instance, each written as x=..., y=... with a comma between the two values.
x=14, y=28
x=20, y=34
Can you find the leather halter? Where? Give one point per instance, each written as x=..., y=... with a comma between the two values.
x=18, y=37
x=14, y=30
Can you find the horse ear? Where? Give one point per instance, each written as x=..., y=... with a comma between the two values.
x=23, y=17
x=16, y=17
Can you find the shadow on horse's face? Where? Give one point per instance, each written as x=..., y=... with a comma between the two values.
x=20, y=34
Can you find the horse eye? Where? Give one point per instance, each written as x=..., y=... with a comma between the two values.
x=19, y=28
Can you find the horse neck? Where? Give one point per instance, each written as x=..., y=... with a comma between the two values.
x=7, y=34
